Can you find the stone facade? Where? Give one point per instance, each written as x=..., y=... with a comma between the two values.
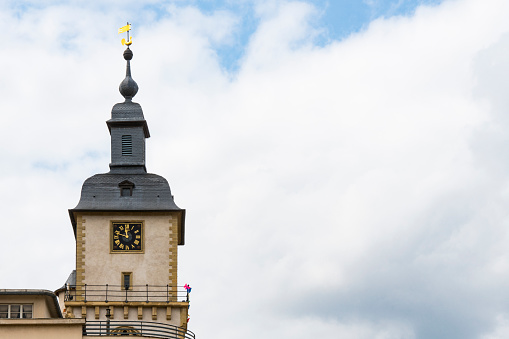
x=97, y=266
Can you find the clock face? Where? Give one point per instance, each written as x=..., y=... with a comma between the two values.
x=127, y=236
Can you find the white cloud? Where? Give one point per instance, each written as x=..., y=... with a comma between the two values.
x=502, y=329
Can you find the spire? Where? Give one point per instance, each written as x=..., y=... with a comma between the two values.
x=128, y=87
x=128, y=128
x=127, y=186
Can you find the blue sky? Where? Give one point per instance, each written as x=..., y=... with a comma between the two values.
x=340, y=17
x=336, y=20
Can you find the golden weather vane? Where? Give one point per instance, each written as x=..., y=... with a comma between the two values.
x=123, y=29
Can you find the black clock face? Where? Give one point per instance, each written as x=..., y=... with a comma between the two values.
x=127, y=237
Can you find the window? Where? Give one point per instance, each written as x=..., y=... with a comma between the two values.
x=126, y=188
x=127, y=145
x=27, y=311
x=4, y=311
x=127, y=280
x=15, y=311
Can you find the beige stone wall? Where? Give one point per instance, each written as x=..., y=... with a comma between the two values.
x=157, y=265
x=41, y=328
x=80, y=249
x=95, y=265
x=172, y=313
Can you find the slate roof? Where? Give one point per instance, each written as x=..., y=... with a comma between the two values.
x=71, y=282
x=125, y=113
x=151, y=192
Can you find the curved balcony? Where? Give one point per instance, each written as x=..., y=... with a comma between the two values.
x=135, y=328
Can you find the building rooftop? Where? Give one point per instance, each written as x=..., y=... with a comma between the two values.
x=51, y=298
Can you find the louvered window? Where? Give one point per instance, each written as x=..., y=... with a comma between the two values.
x=127, y=145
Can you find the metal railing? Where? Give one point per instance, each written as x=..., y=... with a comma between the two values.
x=135, y=328
x=140, y=293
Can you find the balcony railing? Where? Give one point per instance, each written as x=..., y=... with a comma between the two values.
x=118, y=293
x=135, y=328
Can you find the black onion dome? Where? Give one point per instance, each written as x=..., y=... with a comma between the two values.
x=128, y=87
x=128, y=54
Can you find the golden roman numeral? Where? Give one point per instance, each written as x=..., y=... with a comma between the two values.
x=115, y=237
x=121, y=246
x=136, y=242
x=117, y=242
x=137, y=231
x=138, y=236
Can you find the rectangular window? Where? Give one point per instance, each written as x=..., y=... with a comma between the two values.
x=4, y=311
x=127, y=280
x=127, y=145
x=27, y=311
x=125, y=192
x=15, y=311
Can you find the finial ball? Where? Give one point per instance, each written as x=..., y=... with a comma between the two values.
x=128, y=54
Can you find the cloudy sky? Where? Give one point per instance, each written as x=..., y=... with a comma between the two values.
x=344, y=164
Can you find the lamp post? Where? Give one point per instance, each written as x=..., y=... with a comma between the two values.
x=108, y=316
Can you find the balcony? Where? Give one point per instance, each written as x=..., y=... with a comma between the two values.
x=135, y=328
x=118, y=293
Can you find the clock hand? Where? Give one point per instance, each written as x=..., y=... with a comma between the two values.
x=119, y=234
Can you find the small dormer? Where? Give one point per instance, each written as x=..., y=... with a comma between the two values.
x=126, y=188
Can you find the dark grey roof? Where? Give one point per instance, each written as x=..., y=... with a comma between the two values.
x=71, y=281
x=128, y=113
x=151, y=192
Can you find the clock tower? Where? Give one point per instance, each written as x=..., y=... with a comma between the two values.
x=128, y=228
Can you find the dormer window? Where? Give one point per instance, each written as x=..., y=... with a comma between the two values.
x=126, y=188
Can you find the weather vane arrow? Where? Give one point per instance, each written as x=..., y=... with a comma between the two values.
x=123, y=29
